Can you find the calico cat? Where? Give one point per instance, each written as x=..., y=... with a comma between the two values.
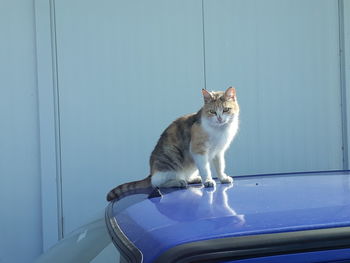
x=190, y=146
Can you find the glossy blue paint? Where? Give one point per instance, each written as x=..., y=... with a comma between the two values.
x=338, y=255
x=253, y=205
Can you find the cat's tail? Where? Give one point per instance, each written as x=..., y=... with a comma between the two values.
x=137, y=187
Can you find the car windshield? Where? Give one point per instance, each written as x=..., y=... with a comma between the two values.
x=90, y=243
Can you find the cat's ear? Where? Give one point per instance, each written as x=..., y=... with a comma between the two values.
x=230, y=93
x=207, y=96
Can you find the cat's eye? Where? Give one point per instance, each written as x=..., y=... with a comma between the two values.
x=226, y=109
x=212, y=112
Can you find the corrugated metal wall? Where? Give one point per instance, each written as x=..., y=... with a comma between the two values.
x=113, y=74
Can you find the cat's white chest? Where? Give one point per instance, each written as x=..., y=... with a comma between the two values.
x=219, y=139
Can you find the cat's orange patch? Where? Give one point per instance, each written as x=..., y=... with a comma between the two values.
x=199, y=139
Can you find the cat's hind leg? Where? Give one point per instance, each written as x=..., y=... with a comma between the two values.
x=194, y=178
x=168, y=180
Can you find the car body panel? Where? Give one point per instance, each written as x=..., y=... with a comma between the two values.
x=252, y=206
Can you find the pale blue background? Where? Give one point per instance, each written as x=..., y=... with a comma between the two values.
x=87, y=87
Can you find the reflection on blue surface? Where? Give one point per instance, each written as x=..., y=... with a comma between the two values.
x=253, y=205
x=188, y=205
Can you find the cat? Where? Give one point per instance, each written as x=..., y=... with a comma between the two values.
x=189, y=147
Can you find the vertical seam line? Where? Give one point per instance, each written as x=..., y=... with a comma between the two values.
x=57, y=120
x=204, y=57
x=344, y=116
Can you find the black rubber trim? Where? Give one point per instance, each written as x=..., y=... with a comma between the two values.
x=235, y=248
x=127, y=249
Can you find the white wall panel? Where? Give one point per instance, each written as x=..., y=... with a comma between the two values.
x=20, y=218
x=283, y=56
x=126, y=70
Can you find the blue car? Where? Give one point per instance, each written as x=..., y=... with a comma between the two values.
x=296, y=217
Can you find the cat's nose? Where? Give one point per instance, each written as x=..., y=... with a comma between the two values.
x=219, y=119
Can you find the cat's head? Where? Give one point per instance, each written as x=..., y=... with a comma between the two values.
x=220, y=108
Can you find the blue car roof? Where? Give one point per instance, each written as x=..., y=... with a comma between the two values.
x=253, y=205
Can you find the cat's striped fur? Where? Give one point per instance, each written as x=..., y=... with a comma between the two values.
x=190, y=144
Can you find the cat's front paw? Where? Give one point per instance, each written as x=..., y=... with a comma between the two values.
x=225, y=179
x=209, y=183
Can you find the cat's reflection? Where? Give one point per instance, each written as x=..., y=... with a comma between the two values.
x=197, y=203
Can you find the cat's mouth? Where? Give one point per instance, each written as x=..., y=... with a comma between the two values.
x=220, y=123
